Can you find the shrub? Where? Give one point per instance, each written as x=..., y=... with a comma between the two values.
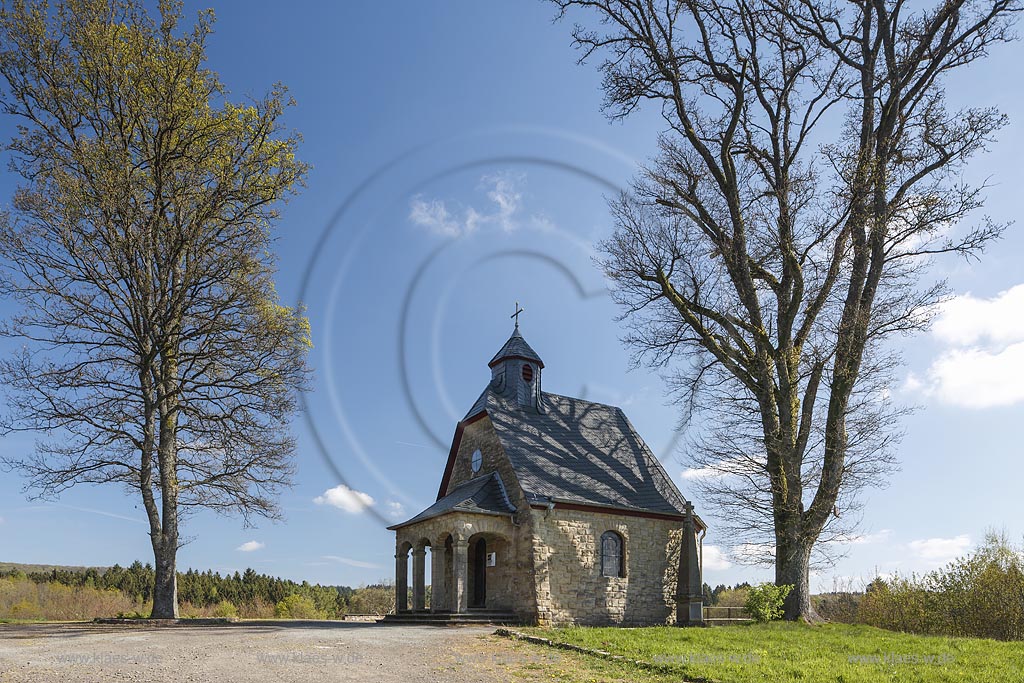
x=981, y=595
x=257, y=609
x=372, y=600
x=297, y=606
x=839, y=607
x=764, y=602
x=225, y=608
x=22, y=598
x=733, y=597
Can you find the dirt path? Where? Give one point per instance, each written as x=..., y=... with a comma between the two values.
x=319, y=651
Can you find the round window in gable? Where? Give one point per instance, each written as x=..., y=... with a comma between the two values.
x=527, y=373
x=477, y=461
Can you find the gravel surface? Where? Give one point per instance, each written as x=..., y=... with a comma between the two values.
x=254, y=651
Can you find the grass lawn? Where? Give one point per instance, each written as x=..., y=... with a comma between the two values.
x=797, y=652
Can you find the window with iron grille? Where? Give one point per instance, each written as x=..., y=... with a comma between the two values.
x=611, y=554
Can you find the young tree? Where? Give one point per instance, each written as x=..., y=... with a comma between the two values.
x=809, y=171
x=156, y=355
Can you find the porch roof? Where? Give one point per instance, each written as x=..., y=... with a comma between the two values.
x=481, y=495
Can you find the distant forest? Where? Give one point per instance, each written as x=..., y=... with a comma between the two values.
x=202, y=591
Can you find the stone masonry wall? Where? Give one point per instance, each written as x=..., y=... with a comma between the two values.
x=570, y=588
x=514, y=570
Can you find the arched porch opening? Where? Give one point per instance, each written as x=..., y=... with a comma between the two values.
x=420, y=569
x=489, y=572
x=442, y=577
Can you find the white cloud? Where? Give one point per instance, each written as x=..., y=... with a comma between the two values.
x=352, y=563
x=966, y=320
x=715, y=559
x=250, y=546
x=344, y=498
x=978, y=378
x=722, y=468
x=506, y=196
x=939, y=551
x=434, y=215
x=700, y=473
x=395, y=509
x=504, y=202
x=983, y=361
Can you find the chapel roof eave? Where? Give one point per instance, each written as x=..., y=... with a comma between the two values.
x=483, y=495
x=565, y=503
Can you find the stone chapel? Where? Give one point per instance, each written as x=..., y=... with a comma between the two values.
x=551, y=510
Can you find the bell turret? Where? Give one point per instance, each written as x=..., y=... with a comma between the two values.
x=516, y=372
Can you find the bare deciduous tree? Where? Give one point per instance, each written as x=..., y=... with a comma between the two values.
x=156, y=355
x=808, y=173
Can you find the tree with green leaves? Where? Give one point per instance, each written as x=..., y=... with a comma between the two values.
x=808, y=172
x=156, y=355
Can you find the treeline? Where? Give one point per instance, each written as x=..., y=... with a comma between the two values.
x=726, y=596
x=981, y=595
x=247, y=594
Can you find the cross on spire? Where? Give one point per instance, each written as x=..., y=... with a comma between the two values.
x=516, y=314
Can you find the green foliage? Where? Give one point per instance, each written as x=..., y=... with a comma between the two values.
x=764, y=602
x=205, y=593
x=138, y=250
x=842, y=607
x=225, y=609
x=297, y=606
x=785, y=652
x=979, y=595
x=24, y=599
x=733, y=597
x=378, y=599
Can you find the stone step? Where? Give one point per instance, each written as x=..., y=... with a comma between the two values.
x=446, y=618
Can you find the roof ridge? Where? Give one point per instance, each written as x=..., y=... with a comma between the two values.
x=583, y=400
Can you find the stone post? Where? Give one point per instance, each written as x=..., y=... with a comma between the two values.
x=418, y=579
x=401, y=581
x=438, y=599
x=689, y=582
x=461, y=571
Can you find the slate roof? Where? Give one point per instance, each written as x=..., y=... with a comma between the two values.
x=516, y=347
x=577, y=451
x=483, y=495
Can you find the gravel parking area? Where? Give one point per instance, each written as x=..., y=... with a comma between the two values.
x=267, y=651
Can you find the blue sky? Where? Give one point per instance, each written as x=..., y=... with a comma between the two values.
x=460, y=164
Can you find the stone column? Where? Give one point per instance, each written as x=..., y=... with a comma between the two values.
x=418, y=579
x=401, y=580
x=438, y=600
x=460, y=585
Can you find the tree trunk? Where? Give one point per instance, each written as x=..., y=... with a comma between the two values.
x=165, y=592
x=165, y=547
x=792, y=568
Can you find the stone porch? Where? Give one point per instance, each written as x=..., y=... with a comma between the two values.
x=462, y=581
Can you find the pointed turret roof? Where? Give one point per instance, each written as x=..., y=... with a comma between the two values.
x=516, y=347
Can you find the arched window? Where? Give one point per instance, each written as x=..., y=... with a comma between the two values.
x=611, y=554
